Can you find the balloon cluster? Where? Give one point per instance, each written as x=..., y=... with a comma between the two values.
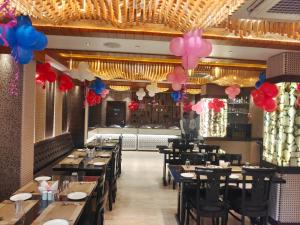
x=190, y=47
x=233, y=91
x=177, y=78
x=66, y=83
x=187, y=107
x=92, y=98
x=141, y=94
x=152, y=89
x=216, y=105
x=82, y=73
x=133, y=106
x=261, y=80
x=98, y=86
x=23, y=39
x=263, y=97
x=199, y=106
x=44, y=73
x=176, y=96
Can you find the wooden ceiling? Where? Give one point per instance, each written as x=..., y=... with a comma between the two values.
x=158, y=20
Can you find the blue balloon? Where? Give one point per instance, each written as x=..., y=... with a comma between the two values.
x=22, y=55
x=24, y=20
x=258, y=84
x=10, y=37
x=98, y=86
x=262, y=77
x=176, y=96
x=41, y=43
x=27, y=36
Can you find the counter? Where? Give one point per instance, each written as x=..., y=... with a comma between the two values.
x=136, y=138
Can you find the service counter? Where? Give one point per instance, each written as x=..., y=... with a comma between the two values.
x=136, y=138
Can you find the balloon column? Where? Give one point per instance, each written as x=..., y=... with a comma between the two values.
x=262, y=79
x=187, y=107
x=44, y=73
x=141, y=94
x=23, y=39
x=92, y=98
x=133, y=106
x=263, y=97
x=66, y=83
x=216, y=105
x=177, y=78
x=190, y=47
x=233, y=91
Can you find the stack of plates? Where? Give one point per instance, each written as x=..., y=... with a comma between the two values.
x=187, y=175
x=42, y=178
x=57, y=222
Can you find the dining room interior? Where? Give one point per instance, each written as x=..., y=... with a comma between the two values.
x=150, y=112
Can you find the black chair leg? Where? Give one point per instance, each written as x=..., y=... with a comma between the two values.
x=110, y=201
x=174, y=185
x=243, y=220
x=218, y=221
x=169, y=177
x=213, y=221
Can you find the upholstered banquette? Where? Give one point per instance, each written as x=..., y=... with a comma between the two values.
x=49, y=150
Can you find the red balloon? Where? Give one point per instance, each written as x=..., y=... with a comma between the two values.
x=270, y=105
x=66, y=83
x=269, y=89
x=259, y=97
x=92, y=98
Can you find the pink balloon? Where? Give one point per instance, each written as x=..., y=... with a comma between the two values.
x=192, y=46
x=206, y=48
x=177, y=76
x=233, y=91
x=177, y=46
x=198, y=107
x=170, y=77
x=176, y=86
x=189, y=62
x=105, y=92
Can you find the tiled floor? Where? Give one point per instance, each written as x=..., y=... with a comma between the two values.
x=141, y=197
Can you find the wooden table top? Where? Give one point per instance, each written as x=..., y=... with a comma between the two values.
x=234, y=169
x=31, y=187
x=86, y=187
x=7, y=211
x=68, y=210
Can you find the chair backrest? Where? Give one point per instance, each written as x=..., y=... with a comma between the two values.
x=194, y=158
x=209, y=148
x=234, y=159
x=258, y=195
x=209, y=180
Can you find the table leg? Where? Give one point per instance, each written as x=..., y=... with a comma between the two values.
x=181, y=204
x=164, y=170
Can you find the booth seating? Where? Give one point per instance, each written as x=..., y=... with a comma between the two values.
x=50, y=150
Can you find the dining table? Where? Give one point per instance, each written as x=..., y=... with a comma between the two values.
x=40, y=211
x=9, y=217
x=90, y=165
x=176, y=172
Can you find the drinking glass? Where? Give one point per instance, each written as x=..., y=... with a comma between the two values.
x=19, y=210
x=187, y=164
x=74, y=177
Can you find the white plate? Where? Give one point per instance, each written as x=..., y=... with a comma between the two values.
x=20, y=197
x=76, y=195
x=187, y=175
x=57, y=222
x=42, y=178
x=81, y=150
x=105, y=155
x=234, y=176
x=71, y=156
x=99, y=163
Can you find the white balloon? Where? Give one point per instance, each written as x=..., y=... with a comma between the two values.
x=151, y=94
x=141, y=93
x=152, y=89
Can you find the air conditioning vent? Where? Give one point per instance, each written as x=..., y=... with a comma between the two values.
x=286, y=7
x=283, y=10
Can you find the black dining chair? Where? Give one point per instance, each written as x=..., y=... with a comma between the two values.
x=252, y=200
x=210, y=198
x=101, y=198
x=112, y=175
